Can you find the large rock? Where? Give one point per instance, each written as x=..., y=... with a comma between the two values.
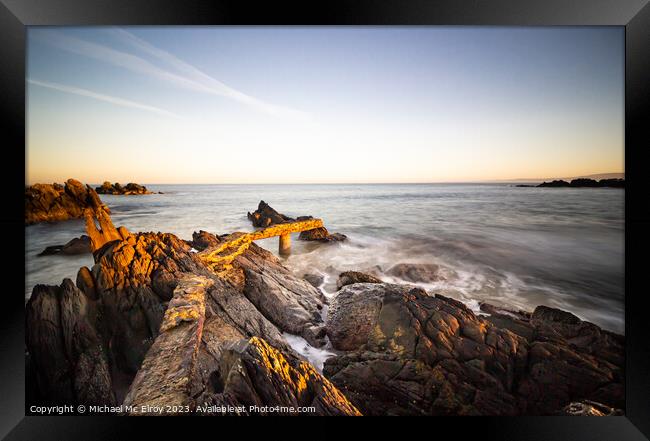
x=321, y=235
x=255, y=376
x=68, y=361
x=350, y=277
x=265, y=216
x=417, y=354
x=203, y=240
x=417, y=272
x=56, y=202
x=289, y=302
x=117, y=189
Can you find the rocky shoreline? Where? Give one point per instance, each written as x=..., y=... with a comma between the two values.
x=151, y=324
x=56, y=202
x=117, y=189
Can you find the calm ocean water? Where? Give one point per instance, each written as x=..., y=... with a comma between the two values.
x=517, y=247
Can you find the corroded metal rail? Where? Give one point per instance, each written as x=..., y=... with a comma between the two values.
x=226, y=252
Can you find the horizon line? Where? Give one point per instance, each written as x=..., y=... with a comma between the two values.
x=486, y=181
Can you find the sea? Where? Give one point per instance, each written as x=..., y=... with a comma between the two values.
x=515, y=247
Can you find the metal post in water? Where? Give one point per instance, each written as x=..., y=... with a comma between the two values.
x=285, y=244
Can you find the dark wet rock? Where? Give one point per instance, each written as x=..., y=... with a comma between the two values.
x=265, y=216
x=68, y=362
x=556, y=325
x=203, y=240
x=417, y=272
x=315, y=280
x=56, y=202
x=589, y=408
x=117, y=189
x=321, y=235
x=353, y=313
x=78, y=245
x=350, y=277
x=415, y=354
x=515, y=321
x=254, y=373
x=289, y=302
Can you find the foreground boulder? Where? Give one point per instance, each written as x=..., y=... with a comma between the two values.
x=56, y=202
x=117, y=189
x=413, y=354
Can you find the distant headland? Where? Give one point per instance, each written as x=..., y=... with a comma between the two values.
x=581, y=183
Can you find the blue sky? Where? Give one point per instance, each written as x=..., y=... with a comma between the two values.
x=323, y=104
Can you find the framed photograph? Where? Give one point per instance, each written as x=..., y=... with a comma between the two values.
x=363, y=209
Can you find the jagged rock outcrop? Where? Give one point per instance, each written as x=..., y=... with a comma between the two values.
x=255, y=376
x=78, y=245
x=289, y=302
x=265, y=216
x=350, y=277
x=56, y=202
x=69, y=364
x=314, y=280
x=417, y=354
x=117, y=189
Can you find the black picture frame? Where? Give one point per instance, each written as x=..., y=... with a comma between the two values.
x=634, y=15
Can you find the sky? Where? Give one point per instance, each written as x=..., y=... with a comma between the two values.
x=214, y=104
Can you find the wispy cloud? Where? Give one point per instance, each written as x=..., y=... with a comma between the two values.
x=178, y=72
x=98, y=96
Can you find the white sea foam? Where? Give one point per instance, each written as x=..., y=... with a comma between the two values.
x=316, y=356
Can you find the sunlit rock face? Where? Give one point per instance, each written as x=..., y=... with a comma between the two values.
x=418, y=354
x=56, y=202
x=253, y=373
